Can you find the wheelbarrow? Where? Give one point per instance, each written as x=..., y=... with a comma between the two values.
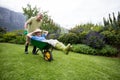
x=45, y=48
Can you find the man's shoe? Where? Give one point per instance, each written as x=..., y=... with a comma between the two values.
x=35, y=54
x=26, y=52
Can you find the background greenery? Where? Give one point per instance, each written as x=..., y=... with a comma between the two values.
x=97, y=39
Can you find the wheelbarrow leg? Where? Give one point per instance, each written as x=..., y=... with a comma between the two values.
x=34, y=50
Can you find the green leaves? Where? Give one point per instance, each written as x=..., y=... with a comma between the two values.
x=29, y=11
x=112, y=22
x=47, y=22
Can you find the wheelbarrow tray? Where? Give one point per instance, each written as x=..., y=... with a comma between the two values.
x=44, y=47
x=41, y=45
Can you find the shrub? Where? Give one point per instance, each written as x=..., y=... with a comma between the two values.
x=81, y=48
x=13, y=37
x=53, y=36
x=118, y=39
x=68, y=38
x=1, y=38
x=108, y=50
x=111, y=37
x=20, y=40
x=97, y=28
x=94, y=39
x=81, y=36
x=9, y=36
x=2, y=30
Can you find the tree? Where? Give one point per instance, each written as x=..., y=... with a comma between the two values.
x=47, y=23
x=2, y=30
x=113, y=23
x=29, y=11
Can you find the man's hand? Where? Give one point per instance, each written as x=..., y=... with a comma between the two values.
x=25, y=32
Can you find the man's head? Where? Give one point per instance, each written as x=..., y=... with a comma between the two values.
x=39, y=16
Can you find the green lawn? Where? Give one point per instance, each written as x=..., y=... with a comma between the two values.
x=15, y=65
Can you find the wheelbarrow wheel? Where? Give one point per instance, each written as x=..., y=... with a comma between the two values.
x=48, y=56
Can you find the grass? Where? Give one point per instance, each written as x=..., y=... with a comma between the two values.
x=15, y=65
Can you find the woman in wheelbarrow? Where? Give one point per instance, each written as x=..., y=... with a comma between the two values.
x=40, y=35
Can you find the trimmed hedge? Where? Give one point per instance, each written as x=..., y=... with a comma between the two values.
x=9, y=36
x=69, y=38
x=82, y=48
x=13, y=37
x=107, y=50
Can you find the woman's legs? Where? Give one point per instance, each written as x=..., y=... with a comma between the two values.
x=59, y=45
x=62, y=47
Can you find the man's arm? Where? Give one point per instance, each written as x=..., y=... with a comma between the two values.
x=26, y=26
x=29, y=21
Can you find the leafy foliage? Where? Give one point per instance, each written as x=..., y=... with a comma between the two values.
x=82, y=48
x=47, y=22
x=20, y=39
x=86, y=27
x=53, y=36
x=29, y=11
x=49, y=25
x=111, y=37
x=112, y=23
x=68, y=38
x=82, y=36
x=82, y=30
x=94, y=39
x=108, y=50
x=13, y=37
x=2, y=30
x=9, y=36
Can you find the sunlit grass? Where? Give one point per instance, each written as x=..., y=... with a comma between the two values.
x=15, y=65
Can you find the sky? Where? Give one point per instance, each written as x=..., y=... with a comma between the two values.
x=68, y=13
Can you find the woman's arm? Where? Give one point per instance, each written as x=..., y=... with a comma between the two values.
x=45, y=32
x=30, y=34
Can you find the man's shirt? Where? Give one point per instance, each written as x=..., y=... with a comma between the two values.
x=33, y=24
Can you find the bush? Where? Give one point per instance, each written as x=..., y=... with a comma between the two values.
x=111, y=37
x=2, y=30
x=95, y=40
x=1, y=38
x=53, y=36
x=82, y=36
x=9, y=36
x=117, y=39
x=81, y=48
x=68, y=38
x=20, y=40
x=108, y=50
x=13, y=37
